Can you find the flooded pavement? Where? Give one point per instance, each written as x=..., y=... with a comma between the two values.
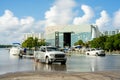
x=75, y=63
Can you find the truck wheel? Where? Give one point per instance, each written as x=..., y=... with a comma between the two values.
x=96, y=54
x=47, y=61
x=87, y=53
x=63, y=62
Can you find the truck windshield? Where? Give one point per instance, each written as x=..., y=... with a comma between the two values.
x=52, y=49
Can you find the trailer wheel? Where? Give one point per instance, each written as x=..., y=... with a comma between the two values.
x=36, y=60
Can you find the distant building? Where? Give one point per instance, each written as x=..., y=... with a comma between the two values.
x=67, y=35
x=34, y=35
x=95, y=33
x=109, y=33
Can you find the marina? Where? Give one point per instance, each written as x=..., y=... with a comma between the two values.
x=59, y=40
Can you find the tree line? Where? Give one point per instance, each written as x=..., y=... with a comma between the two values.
x=108, y=43
x=5, y=46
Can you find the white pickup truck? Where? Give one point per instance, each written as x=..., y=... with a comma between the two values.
x=49, y=54
x=95, y=52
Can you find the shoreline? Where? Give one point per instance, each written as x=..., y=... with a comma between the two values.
x=107, y=75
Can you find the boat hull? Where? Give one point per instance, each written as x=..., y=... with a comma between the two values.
x=14, y=51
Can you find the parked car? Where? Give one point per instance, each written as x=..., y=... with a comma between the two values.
x=95, y=52
x=49, y=54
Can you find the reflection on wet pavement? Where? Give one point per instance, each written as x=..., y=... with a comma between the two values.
x=45, y=67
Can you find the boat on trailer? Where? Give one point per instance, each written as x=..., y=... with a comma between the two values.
x=16, y=49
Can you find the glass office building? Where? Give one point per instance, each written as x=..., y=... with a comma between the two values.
x=67, y=35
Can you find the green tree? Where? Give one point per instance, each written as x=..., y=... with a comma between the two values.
x=79, y=42
x=116, y=44
x=35, y=43
x=99, y=42
x=109, y=46
x=109, y=43
x=24, y=44
x=94, y=43
x=31, y=42
x=42, y=42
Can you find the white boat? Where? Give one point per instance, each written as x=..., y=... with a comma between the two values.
x=16, y=49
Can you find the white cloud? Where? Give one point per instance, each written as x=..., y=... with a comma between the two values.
x=104, y=21
x=27, y=20
x=12, y=28
x=39, y=26
x=60, y=13
x=88, y=15
x=26, y=24
x=116, y=19
x=8, y=21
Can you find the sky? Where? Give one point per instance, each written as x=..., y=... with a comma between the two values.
x=18, y=17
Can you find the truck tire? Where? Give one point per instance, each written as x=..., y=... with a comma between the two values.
x=63, y=62
x=96, y=54
x=47, y=61
x=87, y=53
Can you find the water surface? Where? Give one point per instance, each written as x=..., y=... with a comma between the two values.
x=75, y=63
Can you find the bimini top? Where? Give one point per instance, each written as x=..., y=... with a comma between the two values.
x=16, y=43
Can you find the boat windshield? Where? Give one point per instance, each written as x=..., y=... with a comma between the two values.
x=98, y=49
x=52, y=49
x=16, y=45
x=92, y=49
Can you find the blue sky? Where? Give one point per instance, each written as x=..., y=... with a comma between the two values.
x=37, y=8
x=21, y=8
x=23, y=16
